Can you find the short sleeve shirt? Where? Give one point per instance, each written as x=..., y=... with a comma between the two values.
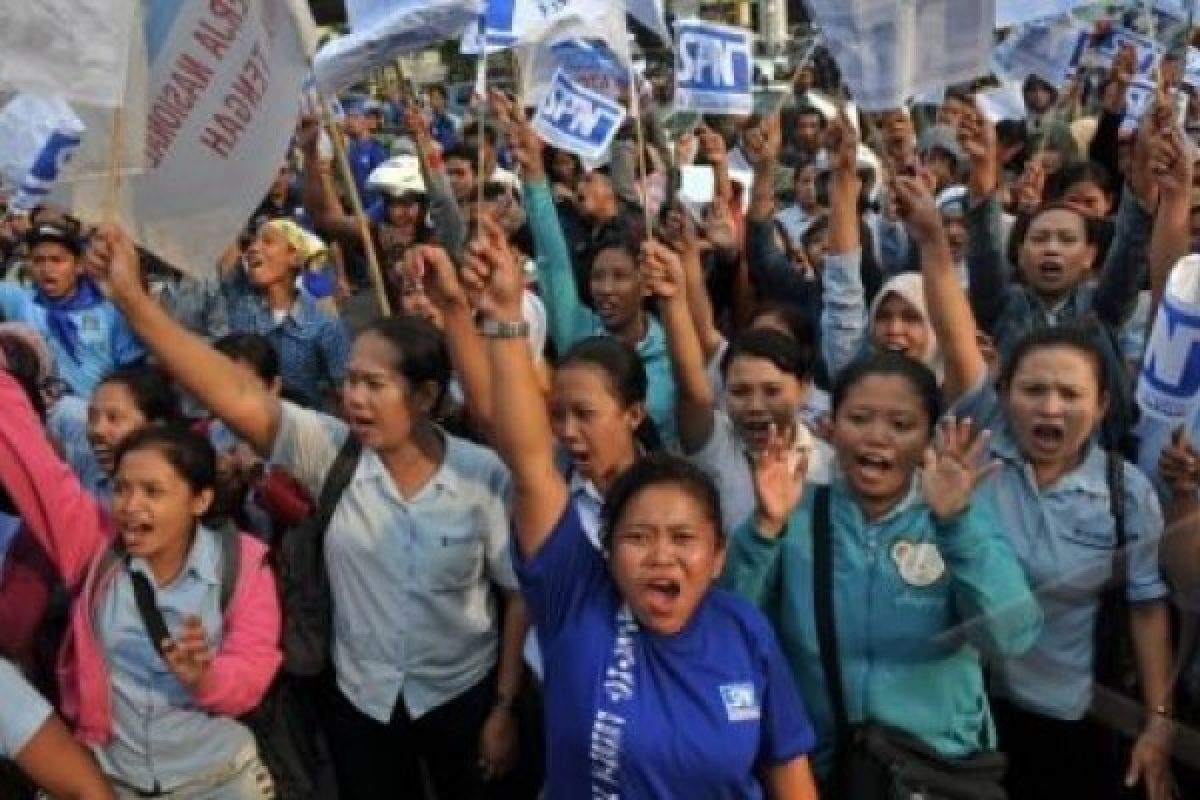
x=22, y=713
x=630, y=713
x=1065, y=538
x=414, y=614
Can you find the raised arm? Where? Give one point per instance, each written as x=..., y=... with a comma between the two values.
x=212, y=378
x=431, y=266
x=69, y=524
x=520, y=425
x=949, y=311
x=694, y=400
x=844, y=309
x=447, y=217
x=987, y=264
x=699, y=302
x=1172, y=166
x=567, y=318
x=317, y=192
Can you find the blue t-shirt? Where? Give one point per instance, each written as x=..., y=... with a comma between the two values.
x=631, y=713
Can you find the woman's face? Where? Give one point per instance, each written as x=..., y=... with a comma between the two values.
x=270, y=259
x=899, y=327
x=154, y=506
x=664, y=553
x=113, y=414
x=806, y=187
x=591, y=423
x=617, y=290
x=1054, y=404
x=405, y=214
x=1055, y=255
x=380, y=406
x=880, y=432
x=758, y=395
x=562, y=168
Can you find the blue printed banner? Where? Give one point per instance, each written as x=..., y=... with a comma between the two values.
x=1169, y=388
x=575, y=118
x=714, y=68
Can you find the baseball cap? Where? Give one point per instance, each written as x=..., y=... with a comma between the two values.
x=66, y=235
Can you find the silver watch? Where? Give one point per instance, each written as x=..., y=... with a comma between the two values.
x=500, y=329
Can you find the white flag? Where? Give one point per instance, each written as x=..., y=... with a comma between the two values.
x=650, y=14
x=76, y=49
x=40, y=135
x=1016, y=12
x=593, y=53
x=220, y=103
x=390, y=29
x=507, y=23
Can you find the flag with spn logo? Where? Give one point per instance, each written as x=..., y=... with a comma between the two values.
x=714, y=68
x=40, y=135
x=76, y=49
x=594, y=53
x=507, y=23
x=577, y=119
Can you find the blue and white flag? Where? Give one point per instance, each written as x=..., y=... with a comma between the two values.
x=1149, y=52
x=593, y=53
x=714, y=68
x=1169, y=387
x=390, y=29
x=575, y=118
x=508, y=23
x=40, y=135
x=1050, y=51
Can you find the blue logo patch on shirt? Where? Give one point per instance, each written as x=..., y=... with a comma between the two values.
x=740, y=702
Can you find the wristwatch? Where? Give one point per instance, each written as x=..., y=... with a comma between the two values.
x=501, y=329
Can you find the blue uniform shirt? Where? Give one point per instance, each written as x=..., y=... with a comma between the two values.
x=1064, y=537
x=105, y=340
x=630, y=713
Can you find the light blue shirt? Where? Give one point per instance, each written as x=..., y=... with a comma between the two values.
x=22, y=713
x=105, y=340
x=66, y=422
x=1064, y=536
x=160, y=738
x=414, y=614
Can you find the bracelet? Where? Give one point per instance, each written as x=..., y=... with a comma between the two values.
x=498, y=329
x=504, y=702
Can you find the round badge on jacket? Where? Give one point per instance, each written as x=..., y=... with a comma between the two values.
x=919, y=563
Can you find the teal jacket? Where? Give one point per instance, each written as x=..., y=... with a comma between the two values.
x=569, y=320
x=916, y=602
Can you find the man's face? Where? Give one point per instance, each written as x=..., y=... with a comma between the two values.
x=55, y=269
x=808, y=131
x=462, y=178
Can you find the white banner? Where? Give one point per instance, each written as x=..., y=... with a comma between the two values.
x=76, y=49
x=394, y=29
x=577, y=119
x=891, y=50
x=593, y=53
x=221, y=101
x=1017, y=12
x=508, y=23
x=1191, y=70
x=714, y=68
x=1149, y=52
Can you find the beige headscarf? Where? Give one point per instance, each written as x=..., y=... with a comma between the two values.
x=911, y=287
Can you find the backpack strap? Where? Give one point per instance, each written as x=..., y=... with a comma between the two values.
x=336, y=481
x=1116, y=503
x=823, y=609
x=231, y=560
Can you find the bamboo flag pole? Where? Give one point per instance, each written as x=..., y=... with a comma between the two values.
x=306, y=32
x=481, y=87
x=364, y=227
x=640, y=140
x=112, y=186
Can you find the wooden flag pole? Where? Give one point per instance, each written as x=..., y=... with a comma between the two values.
x=481, y=83
x=640, y=139
x=364, y=227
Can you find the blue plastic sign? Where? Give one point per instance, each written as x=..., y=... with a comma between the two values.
x=1169, y=387
x=575, y=118
x=714, y=68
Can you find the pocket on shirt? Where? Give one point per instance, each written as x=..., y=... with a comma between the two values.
x=454, y=563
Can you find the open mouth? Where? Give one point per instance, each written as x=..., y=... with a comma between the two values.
x=1052, y=270
x=660, y=595
x=895, y=346
x=873, y=467
x=1047, y=436
x=756, y=432
x=135, y=533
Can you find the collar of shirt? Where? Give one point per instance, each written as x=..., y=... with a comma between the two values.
x=446, y=477
x=1090, y=476
x=203, y=559
x=304, y=313
x=911, y=499
x=577, y=484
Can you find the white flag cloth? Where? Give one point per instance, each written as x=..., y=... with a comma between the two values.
x=391, y=29
x=220, y=103
x=1017, y=12
x=577, y=119
x=75, y=49
x=650, y=14
x=891, y=50
x=40, y=135
x=592, y=52
x=1048, y=50
x=714, y=68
